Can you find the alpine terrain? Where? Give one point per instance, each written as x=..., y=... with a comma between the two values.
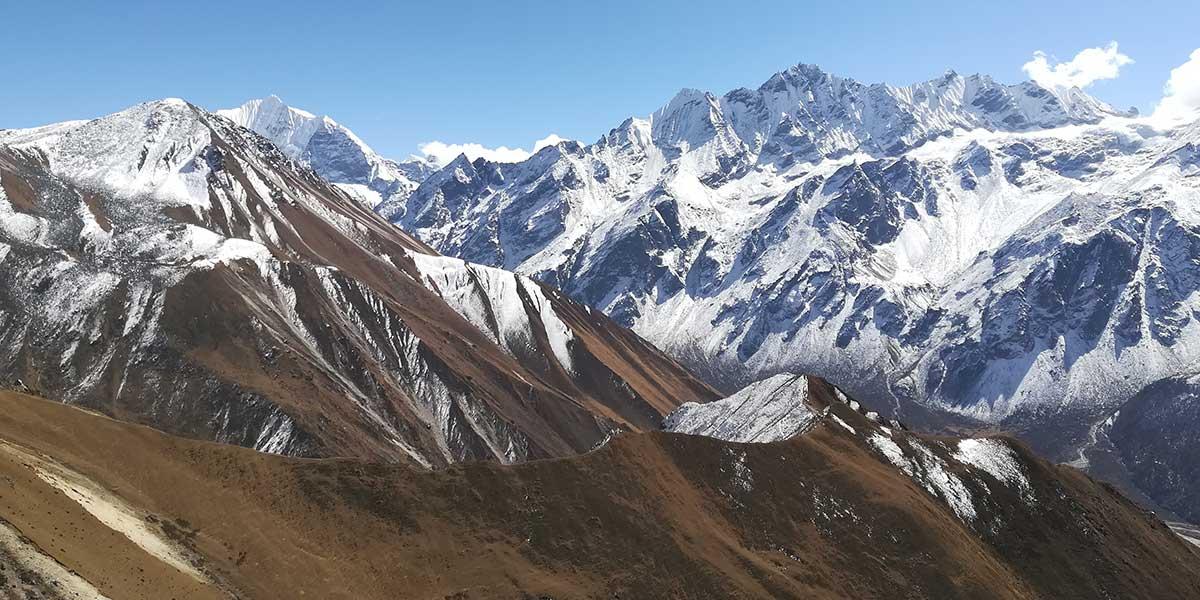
x=959, y=252
x=166, y=266
x=331, y=150
x=244, y=356
x=844, y=507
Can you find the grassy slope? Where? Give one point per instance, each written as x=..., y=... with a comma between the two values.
x=650, y=515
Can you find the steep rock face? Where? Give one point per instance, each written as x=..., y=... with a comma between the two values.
x=1091, y=288
x=333, y=151
x=1006, y=254
x=695, y=213
x=1155, y=434
x=166, y=266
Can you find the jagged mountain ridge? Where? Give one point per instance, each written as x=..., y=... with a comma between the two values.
x=332, y=150
x=1011, y=255
x=683, y=243
x=166, y=266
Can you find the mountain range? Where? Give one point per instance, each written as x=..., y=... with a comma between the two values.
x=169, y=267
x=960, y=252
x=805, y=340
x=331, y=150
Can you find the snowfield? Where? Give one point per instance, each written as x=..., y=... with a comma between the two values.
x=769, y=410
x=1006, y=253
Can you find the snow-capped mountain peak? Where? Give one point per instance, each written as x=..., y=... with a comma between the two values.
x=805, y=114
x=953, y=243
x=174, y=268
x=333, y=151
x=289, y=128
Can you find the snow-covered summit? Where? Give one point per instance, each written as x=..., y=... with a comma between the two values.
x=289, y=128
x=174, y=268
x=1008, y=253
x=333, y=151
x=804, y=113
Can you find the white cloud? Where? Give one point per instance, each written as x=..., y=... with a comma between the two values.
x=549, y=140
x=1089, y=66
x=441, y=153
x=1181, y=95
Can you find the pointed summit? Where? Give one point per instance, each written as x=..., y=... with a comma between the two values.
x=333, y=151
x=799, y=76
x=684, y=97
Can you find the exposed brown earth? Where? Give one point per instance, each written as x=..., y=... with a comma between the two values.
x=647, y=516
x=337, y=345
x=347, y=338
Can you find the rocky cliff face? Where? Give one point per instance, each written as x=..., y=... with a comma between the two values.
x=1154, y=435
x=333, y=151
x=1010, y=255
x=169, y=267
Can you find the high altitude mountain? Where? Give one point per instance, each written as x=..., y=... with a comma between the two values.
x=333, y=151
x=850, y=508
x=1004, y=254
x=166, y=266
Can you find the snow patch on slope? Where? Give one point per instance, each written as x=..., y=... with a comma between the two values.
x=934, y=474
x=765, y=411
x=891, y=451
x=997, y=459
x=929, y=471
x=494, y=301
x=843, y=424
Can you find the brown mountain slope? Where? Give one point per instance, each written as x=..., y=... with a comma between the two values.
x=167, y=267
x=647, y=516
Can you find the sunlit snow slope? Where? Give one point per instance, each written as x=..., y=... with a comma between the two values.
x=1006, y=254
x=166, y=266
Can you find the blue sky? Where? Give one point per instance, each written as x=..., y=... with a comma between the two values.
x=508, y=73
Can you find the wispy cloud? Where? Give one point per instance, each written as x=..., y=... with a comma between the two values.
x=1089, y=66
x=1181, y=94
x=441, y=153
